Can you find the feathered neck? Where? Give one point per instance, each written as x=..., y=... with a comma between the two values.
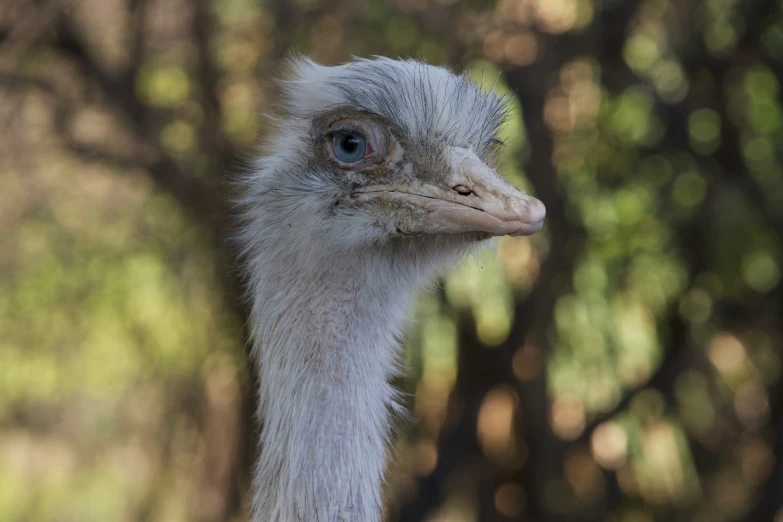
x=326, y=343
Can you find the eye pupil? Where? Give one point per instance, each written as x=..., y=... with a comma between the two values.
x=349, y=147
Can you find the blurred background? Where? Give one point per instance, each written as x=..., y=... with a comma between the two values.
x=622, y=365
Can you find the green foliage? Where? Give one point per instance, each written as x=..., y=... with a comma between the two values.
x=98, y=314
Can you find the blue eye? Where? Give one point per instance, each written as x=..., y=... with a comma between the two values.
x=349, y=147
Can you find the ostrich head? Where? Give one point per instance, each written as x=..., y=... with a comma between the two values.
x=377, y=174
x=379, y=152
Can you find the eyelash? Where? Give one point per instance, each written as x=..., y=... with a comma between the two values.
x=331, y=133
x=496, y=143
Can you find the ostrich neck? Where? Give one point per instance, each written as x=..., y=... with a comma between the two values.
x=326, y=346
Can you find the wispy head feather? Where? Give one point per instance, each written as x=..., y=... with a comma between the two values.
x=420, y=100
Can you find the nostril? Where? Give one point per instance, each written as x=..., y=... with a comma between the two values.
x=462, y=190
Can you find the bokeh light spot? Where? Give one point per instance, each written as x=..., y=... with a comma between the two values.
x=689, y=189
x=727, y=353
x=704, y=128
x=696, y=305
x=425, y=457
x=520, y=49
x=760, y=271
x=567, y=417
x=495, y=428
x=510, y=499
x=609, y=444
x=163, y=85
x=751, y=404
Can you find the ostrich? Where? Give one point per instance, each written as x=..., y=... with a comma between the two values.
x=374, y=180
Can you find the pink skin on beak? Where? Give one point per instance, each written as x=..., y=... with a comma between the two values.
x=477, y=199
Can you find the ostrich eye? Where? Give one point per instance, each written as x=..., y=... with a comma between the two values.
x=349, y=147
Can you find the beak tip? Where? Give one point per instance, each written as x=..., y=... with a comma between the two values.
x=537, y=210
x=531, y=210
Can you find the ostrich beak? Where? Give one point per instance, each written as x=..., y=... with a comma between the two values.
x=475, y=198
